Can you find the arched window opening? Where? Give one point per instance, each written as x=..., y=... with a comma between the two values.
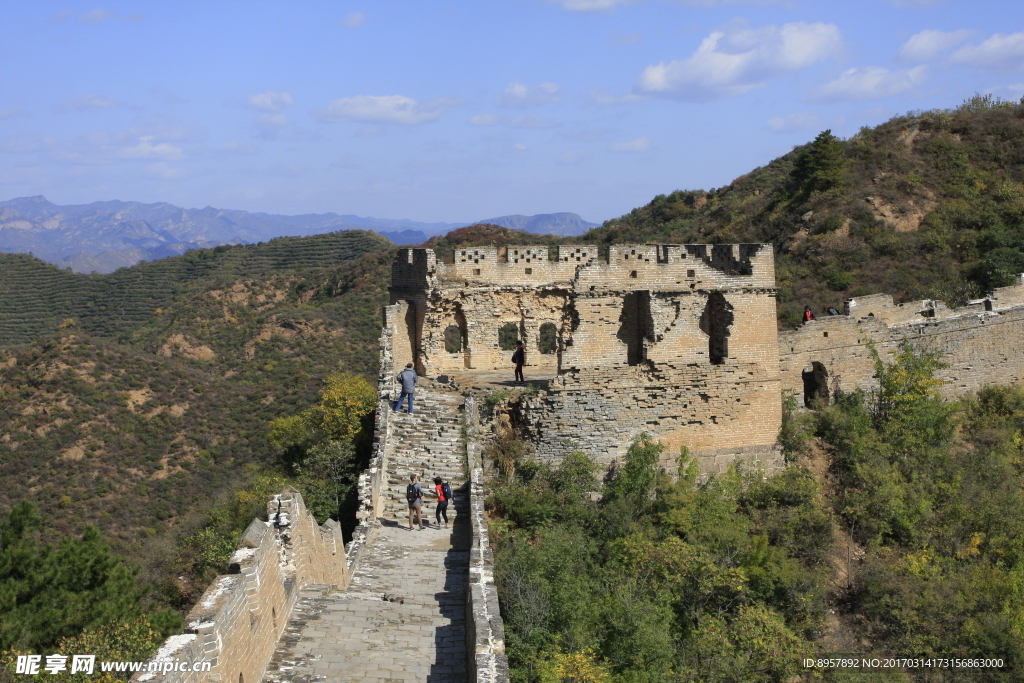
x=547, y=340
x=715, y=322
x=508, y=335
x=453, y=339
x=637, y=325
x=815, y=384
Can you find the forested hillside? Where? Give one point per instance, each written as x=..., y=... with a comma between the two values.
x=927, y=205
x=894, y=532
x=36, y=297
x=154, y=426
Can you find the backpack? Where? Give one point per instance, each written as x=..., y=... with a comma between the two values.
x=446, y=491
x=411, y=494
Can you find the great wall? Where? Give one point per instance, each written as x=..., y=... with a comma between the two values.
x=676, y=341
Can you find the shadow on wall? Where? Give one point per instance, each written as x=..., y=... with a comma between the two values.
x=450, y=640
x=715, y=322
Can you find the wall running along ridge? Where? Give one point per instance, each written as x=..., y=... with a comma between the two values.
x=486, y=661
x=237, y=622
x=485, y=629
x=678, y=341
x=981, y=343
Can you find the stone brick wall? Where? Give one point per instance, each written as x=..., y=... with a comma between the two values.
x=237, y=622
x=678, y=341
x=980, y=343
x=485, y=629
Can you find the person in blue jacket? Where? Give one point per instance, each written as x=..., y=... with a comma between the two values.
x=408, y=379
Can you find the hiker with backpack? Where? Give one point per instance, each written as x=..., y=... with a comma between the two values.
x=444, y=494
x=407, y=378
x=519, y=357
x=414, y=494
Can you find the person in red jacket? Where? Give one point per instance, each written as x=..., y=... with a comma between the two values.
x=808, y=314
x=444, y=494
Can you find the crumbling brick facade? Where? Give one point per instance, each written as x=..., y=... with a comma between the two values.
x=238, y=621
x=981, y=343
x=678, y=341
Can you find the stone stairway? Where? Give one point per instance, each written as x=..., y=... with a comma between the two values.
x=427, y=443
x=403, y=617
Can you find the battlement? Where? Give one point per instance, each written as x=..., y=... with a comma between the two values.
x=694, y=266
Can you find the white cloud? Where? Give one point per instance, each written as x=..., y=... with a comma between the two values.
x=626, y=39
x=530, y=121
x=999, y=53
x=928, y=44
x=801, y=120
x=7, y=114
x=83, y=102
x=484, y=120
x=165, y=95
x=347, y=162
x=164, y=171
x=96, y=16
x=270, y=101
x=519, y=95
x=288, y=170
x=269, y=125
x=28, y=143
x=734, y=61
x=353, y=20
x=606, y=98
x=576, y=156
x=631, y=146
x=591, y=5
x=145, y=149
x=239, y=148
x=397, y=109
x=871, y=83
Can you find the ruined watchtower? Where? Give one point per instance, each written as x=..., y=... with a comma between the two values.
x=678, y=341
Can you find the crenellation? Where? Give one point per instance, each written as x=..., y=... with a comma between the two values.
x=652, y=326
x=978, y=343
x=238, y=620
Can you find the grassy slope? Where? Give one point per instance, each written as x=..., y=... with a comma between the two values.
x=141, y=434
x=945, y=217
x=35, y=296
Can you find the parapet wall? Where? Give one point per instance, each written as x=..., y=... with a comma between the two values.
x=485, y=629
x=239, y=619
x=657, y=265
x=980, y=343
x=678, y=341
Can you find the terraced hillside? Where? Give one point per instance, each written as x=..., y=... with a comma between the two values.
x=35, y=297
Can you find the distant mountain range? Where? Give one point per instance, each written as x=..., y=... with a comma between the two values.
x=105, y=236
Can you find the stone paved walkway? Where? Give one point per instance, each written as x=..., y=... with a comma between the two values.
x=358, y=635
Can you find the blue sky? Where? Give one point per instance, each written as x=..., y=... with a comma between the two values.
x=442, y=110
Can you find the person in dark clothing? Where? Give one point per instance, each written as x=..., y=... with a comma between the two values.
x=831, y=311
x=442, y=501
x=408, y=379
x=519, y=357
x=808, y=314
x=414, y=495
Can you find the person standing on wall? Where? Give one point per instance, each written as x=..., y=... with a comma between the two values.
x=414, y=494
x=408, y=379
x=519, y=357
x=444, y=494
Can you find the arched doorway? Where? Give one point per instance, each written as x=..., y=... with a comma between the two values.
x=715, y=322
x=815, y=384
